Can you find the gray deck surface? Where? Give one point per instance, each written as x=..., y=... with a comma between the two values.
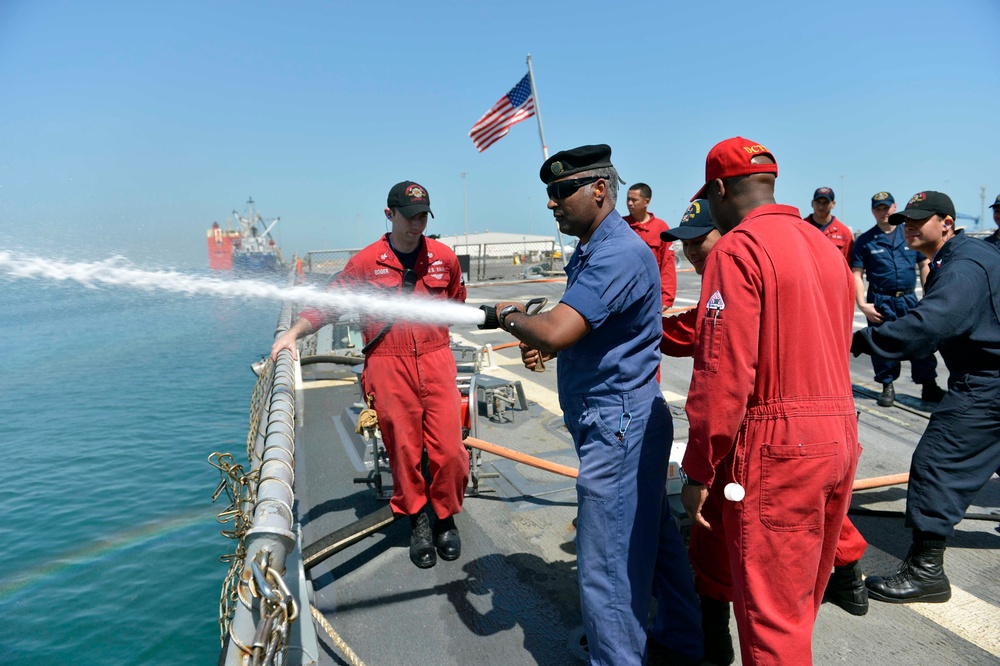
x=512, y=596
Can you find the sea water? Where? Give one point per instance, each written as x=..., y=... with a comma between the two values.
x=111, y=400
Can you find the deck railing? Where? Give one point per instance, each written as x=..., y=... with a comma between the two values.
x=270, y=581
x=482, y=262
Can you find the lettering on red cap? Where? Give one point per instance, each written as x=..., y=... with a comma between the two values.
x=756, y=149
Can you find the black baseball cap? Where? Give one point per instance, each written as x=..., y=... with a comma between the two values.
x=923, y=205
x=824, y=193
x=697, y=222
x=880, y=198
x=567, y=162
x=996, y=203
x=409, y=198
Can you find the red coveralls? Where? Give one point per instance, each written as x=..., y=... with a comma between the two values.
x=771, y=408
x=649, y=232
x=707, y=548
x=411, y=374
x=839, y=233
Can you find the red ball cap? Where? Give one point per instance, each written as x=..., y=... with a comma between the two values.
x=731, y=158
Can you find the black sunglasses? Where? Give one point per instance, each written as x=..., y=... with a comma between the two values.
x=566, y=188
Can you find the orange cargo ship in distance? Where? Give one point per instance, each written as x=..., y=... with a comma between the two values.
x=249, y=247
x=220, y=247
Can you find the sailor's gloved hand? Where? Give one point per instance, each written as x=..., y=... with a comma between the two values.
x=859, y=345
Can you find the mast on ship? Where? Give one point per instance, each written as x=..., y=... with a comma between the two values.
x=253, y=239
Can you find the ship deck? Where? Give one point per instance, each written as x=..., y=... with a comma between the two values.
x=512, y=598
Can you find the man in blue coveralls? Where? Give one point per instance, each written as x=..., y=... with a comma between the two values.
x=959, y=316
x=881, y=252
x=606, y=330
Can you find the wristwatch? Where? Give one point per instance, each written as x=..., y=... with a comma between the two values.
x=502, y=315
x=688, y=481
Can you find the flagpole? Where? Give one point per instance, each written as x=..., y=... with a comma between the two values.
x=538, y=110
x=541, y=135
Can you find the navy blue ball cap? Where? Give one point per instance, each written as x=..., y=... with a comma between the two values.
x=923, y=205
x=567, y=162
x=824, y=193
x=880, y=198
x=697, y=222
x=996, y=203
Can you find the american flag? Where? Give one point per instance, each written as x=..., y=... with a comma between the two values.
x=512, y=108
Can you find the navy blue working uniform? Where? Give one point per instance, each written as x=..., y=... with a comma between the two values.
x=959, y=316
x=890, y=267
x=622, y=429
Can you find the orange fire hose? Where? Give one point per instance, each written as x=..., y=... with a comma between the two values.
x=678, y=310
x=881, y=481
x=517, y=456
x=556, y=468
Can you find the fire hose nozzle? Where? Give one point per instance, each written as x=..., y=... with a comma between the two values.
x=490, y=317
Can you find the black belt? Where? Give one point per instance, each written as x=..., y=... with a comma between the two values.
x=896, y=294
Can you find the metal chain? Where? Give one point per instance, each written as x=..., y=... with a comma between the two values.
x=242, y=491
x=277, y=609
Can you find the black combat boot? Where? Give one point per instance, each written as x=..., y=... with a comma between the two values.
x=847, y=589
x=920, y=577
x=931, y=392
x=449, y=543
x=888, y=396
x=421, y=545
x=658, y=654
x=715, y=628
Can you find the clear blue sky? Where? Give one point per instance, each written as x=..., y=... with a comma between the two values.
x=129, y=127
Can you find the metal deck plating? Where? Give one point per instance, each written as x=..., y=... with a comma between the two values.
x=511, y=598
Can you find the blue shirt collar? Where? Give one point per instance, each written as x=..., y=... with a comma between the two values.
x=603, y=230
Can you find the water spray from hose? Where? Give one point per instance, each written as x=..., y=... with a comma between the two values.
x=116, y=272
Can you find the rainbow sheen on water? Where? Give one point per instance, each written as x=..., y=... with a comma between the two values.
x=112, y=401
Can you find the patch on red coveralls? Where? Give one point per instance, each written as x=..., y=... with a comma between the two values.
x=715, y=303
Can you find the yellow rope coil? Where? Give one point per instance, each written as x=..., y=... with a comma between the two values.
x=368, y=417
x=335, y=637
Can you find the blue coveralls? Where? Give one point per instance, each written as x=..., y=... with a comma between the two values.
x=959, y=315
x=891, y=269
x=622, y=430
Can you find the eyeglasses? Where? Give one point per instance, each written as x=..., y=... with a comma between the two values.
x=566, y=188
